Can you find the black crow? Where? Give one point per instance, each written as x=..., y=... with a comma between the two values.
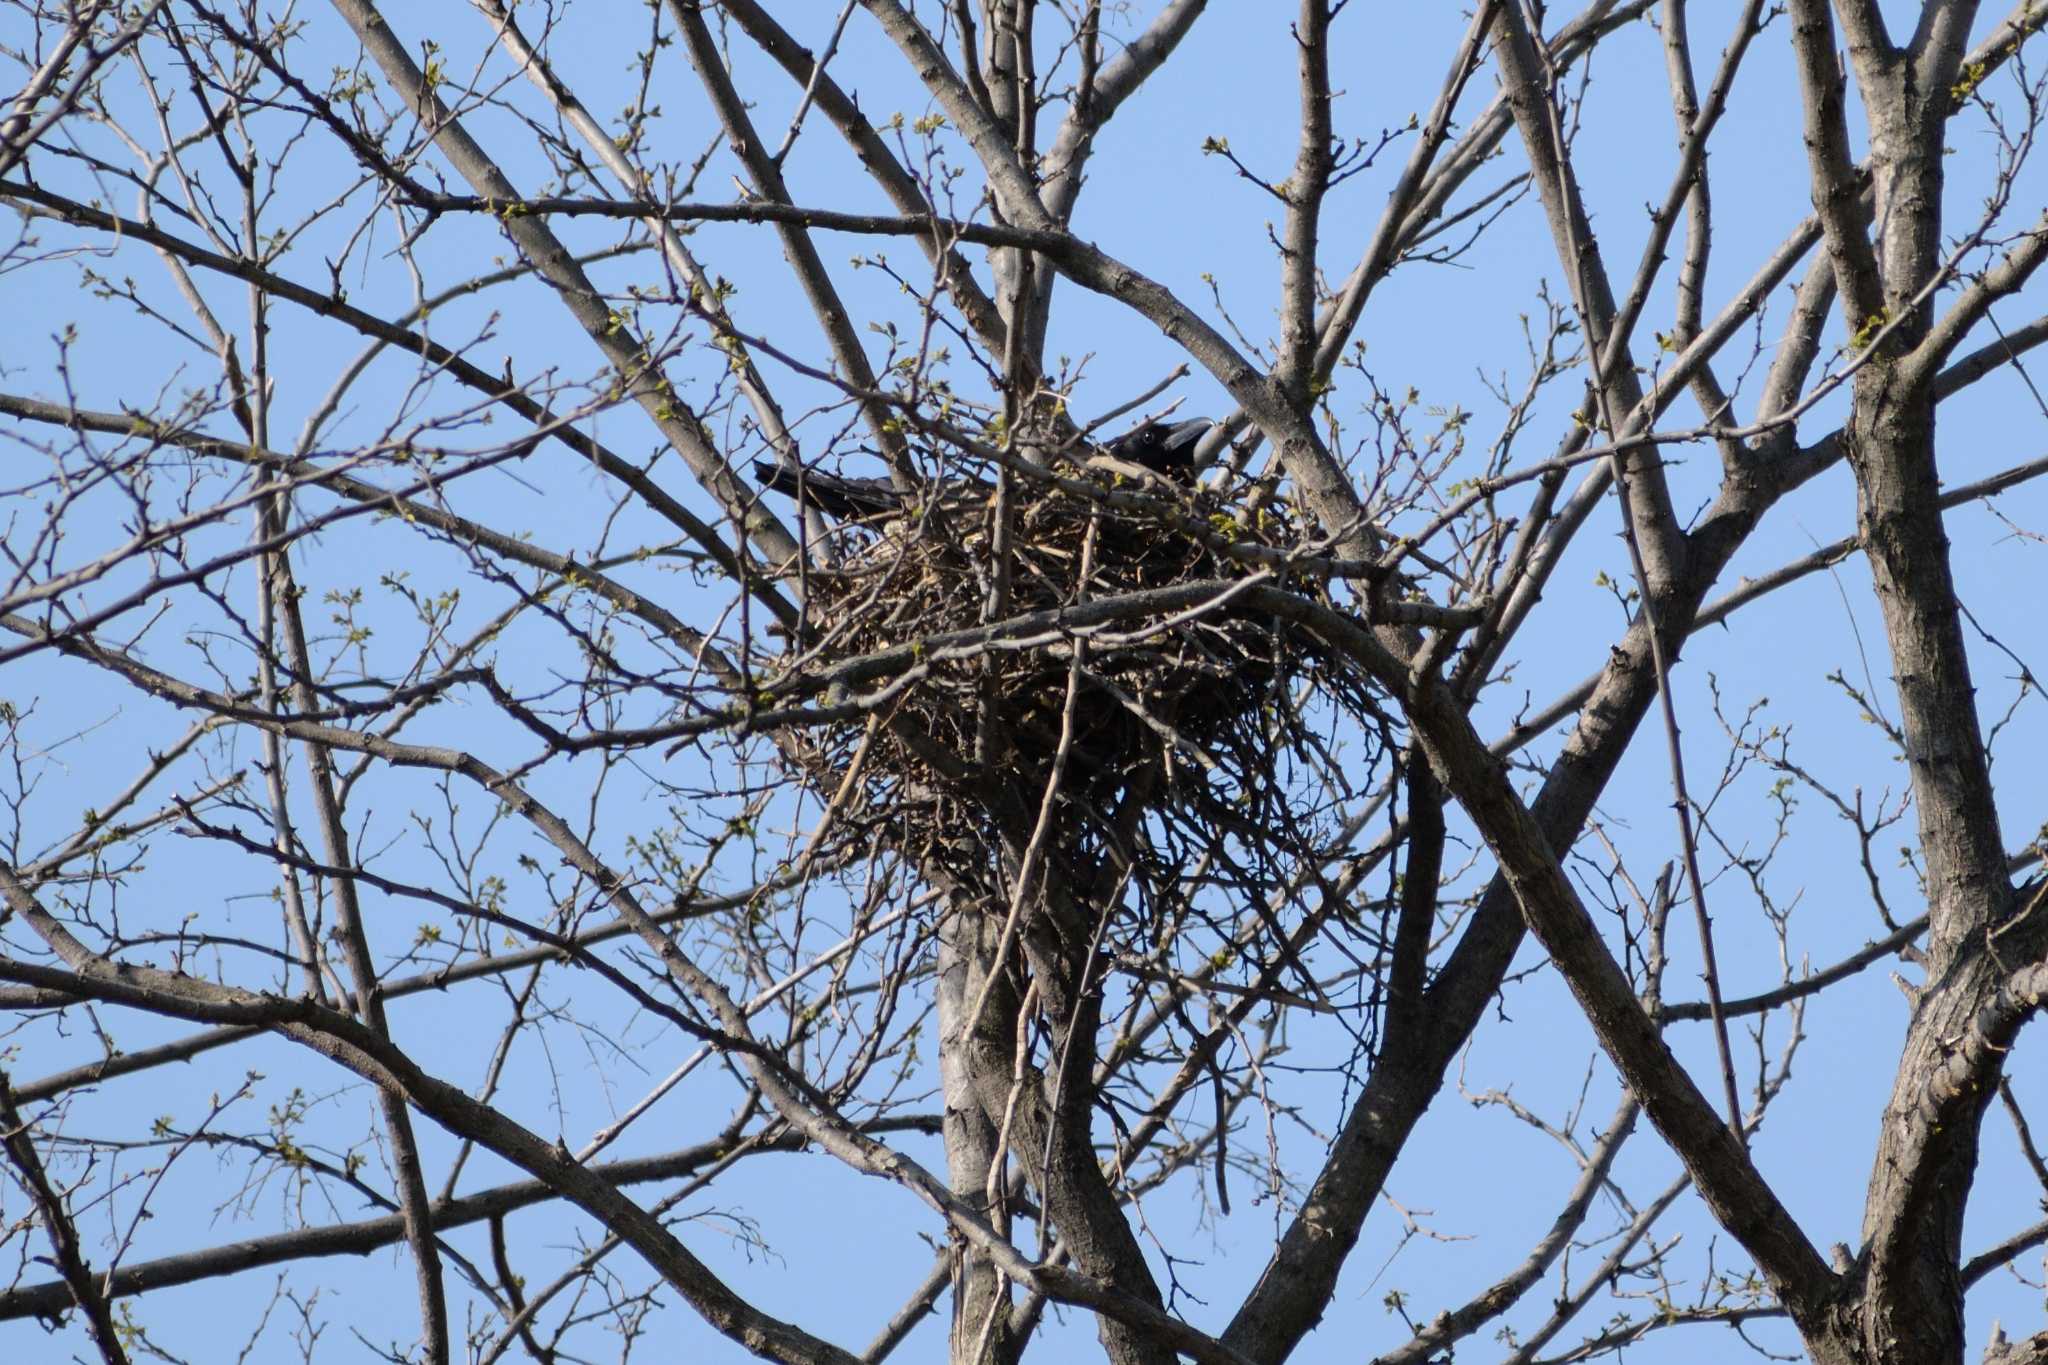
x=1162, y=447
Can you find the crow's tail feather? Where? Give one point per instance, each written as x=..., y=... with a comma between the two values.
x=831, y=494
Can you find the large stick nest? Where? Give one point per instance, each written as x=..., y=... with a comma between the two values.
x=1202, y=735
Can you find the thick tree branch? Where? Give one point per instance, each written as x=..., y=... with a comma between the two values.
x=1531, y=96
x=1837, y=191
x=1740, y=1199
x=621, y=347
x=1314, y=162
x=367, y=1235
x=79, y=1285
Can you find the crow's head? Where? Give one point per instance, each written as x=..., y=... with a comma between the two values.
x=1162, y=447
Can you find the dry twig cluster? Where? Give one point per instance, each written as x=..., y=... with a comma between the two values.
x=1178, y=749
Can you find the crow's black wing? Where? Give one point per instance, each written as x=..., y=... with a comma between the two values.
x=832, y=494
